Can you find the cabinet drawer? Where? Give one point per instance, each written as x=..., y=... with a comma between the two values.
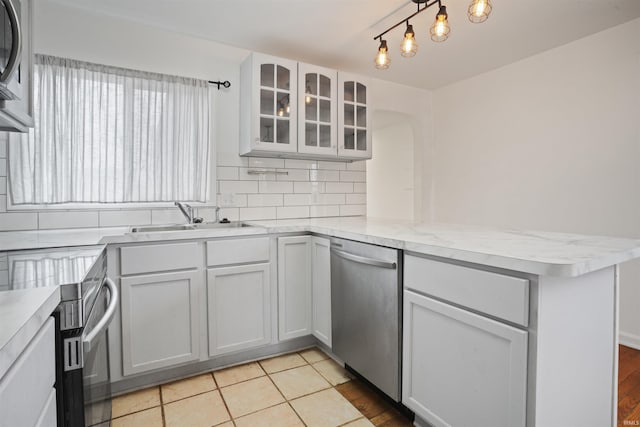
x=237, y=251
x=26, y=387
x=153, y=258
x=495, y=294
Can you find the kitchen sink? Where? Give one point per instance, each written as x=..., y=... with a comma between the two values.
x=189, y=227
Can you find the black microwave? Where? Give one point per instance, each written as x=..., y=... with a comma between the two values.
x=10, y=50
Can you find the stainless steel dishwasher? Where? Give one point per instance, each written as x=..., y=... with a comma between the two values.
x=366, y=311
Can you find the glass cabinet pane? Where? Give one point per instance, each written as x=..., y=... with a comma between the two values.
x=325, y=136
x=311, y=84
x=266, y=130
x=348, y=115
x=362, y=140
x=282, y=131
x=266, y=102
x=361, y=119
x=283, y=102
x=348, y=92
x=325, y=110
x=311, y=109
x=284, y=79
x=349, y=134
x=325, y=86
x=362, y=93
x=267, y=75
x=311, y=135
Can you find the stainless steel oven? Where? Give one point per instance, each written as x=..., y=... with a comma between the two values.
x=10, y=50
x=88, y=303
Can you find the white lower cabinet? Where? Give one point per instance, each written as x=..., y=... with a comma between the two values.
x=462, y=369
x=239, y=307
x=321, y=289
x=294, y=287
x=160, y=320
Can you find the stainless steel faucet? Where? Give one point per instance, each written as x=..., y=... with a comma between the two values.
x=188, y=212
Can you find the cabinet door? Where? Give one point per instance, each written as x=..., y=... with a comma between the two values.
x=462, y=369
x=321, y=288
x=160, y=320
x=239, y=308
x=294, y=287
x=354, y=117
x=273, y=103
x=317, y=115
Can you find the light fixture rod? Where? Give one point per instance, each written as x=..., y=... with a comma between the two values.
x=405, y=20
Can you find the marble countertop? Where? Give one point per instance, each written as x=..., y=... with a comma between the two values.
x=534, y=252
x=22, y=314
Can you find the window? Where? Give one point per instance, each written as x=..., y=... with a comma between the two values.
x=111, y=135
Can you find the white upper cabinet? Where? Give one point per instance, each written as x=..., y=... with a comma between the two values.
x=354, y=117
x=295, y=110
x=317, y=118
x=268, y=93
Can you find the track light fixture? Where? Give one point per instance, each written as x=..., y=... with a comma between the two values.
x=477, y=12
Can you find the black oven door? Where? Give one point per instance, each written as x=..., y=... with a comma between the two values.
x=96, y=381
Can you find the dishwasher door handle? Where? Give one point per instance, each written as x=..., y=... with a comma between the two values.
x=364, y=260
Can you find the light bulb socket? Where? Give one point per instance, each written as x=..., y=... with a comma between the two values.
x=442, y=12
x=409, y=31
x=383, y=46
x=382, y=60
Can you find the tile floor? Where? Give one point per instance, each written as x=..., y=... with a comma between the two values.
x=306, y=388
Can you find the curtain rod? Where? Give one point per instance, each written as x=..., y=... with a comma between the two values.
x=225, y=84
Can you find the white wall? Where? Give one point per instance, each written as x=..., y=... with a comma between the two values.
x=311, y=188
x=551, y=142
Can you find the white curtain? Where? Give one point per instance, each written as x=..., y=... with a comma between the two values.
x=111, y=135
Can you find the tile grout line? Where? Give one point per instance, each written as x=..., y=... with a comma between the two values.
x=224, y=402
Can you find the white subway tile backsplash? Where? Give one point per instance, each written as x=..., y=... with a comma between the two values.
x=238, y=187
x=256, y=162
x=72, y=219
x=293, y=175
x=3, y=185
x=207, y=214
x=308, y=187
x=230, y=159
x=275, y=187
x=315, y=211
x=3, y=203
x=335, y=166
x=339, y=187
x=248, y=214
x=352, y=176
x=313, y=199
x=227, y=173
x=359, y=187
x=293, y=212
x=353, y=210
x=324, y=175
x=300, y=164
x=268, y=175
x=167, y=216
x=232, y=200
x=232, y=214
x=3, y=167
x=357, y=166
x=124, y=218
x=18, y=221
x=255, y=200
x=356, y=199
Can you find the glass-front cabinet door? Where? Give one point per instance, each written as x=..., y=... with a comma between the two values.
x=269, y=86
x=317, y=117
x=354, y=117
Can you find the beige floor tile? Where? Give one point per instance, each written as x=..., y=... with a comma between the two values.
x=362, y=422
x=313, y=355
x=276, y=416
x=188, y=387
x=134, y=402
x=203, y=410
x=332, y=372
x=147, y=418
x=237, y=374
x=280, y=363
x=325, y=409
x=251, y=396
x=299, y=381
x=227, y=424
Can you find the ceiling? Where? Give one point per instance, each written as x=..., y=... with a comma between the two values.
x=339, y=33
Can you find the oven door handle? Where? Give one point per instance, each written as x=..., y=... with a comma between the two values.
x=16, y=41
x=103, y=324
